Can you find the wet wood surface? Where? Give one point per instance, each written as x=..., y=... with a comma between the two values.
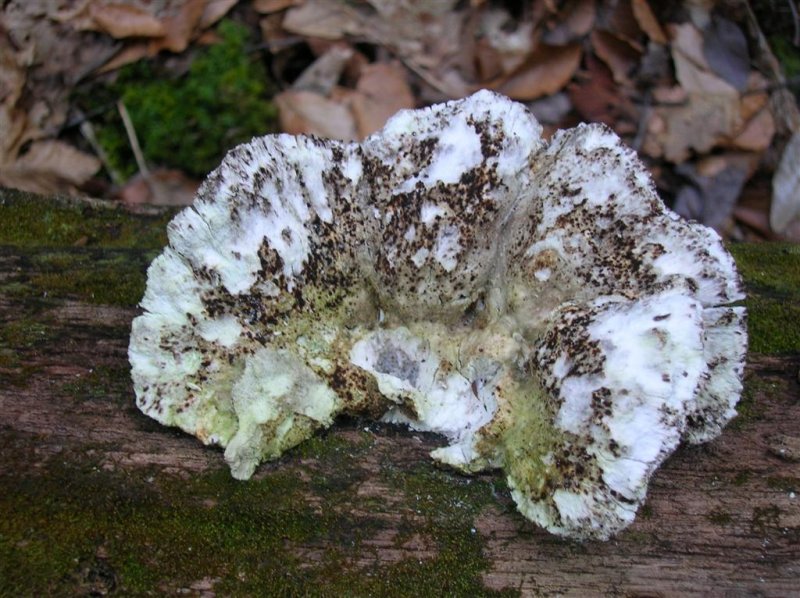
x=721, y=519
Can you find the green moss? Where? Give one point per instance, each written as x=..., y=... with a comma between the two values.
x=102, y=382
x=741, y=478
x=784, y=483
x=749, y=409
x=23, y=334
x=786, y=53
x=448, y=504
x=96, y=276
x=29, y=220
x=765, y=518
x=719, y=517
x=144, y=532
x=191, y=121
x=771, y=272
x=101, y=286
x=17, y=339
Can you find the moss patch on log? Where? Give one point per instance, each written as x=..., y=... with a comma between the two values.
x=30, y=220
x=771, y=272
x=85, y=528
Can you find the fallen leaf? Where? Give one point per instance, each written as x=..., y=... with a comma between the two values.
x=426, y=9
x=596, y=98
x=180, y=28
x=577, y=18
x=620, y=57
x=382, y=90
x=785, y=207
x=308, y=113
x=618, y=17
x=647, y=21
x=162, y=187
x=758, y=220
x=129, y=54
x=214, y=11
x=13, y=120
x=757, y=133
x=698, y=125
x=546, y=71
x=691, y=68
x=714, y=186
x=552, y=109
x=123, y=20
x=324, y=73
x=725, y=51
x=321, y=18
x=49, y=166
x=488, y=61
x=266, y=7
x=655, y=66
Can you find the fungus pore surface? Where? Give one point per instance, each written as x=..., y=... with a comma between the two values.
x=533, y=302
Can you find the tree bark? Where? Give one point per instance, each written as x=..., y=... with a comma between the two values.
x=720, y=519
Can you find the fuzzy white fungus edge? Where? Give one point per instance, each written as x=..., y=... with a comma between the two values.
x=533, y=302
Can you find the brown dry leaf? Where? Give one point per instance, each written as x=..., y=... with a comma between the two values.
x=381, y=91
x=488, y=62
x=214, y=11
x=711, y=114
x=308, y=113
x=725, y=51
x=691, y=68
x=618, y=55
x=14, y=125
x=12, y=73
x=785, y=207
x=266, y=7
x=180, y=27
x=322, y=18
x=648, y=22
x=49, y=166
x=322, y=75
x=123, y=20
x=715, y=184
x=597, y=98
x=577, y=18
x=619, y=18
x=700, y=124
x=756, y=134
x=13, y=121
x=128, y=54
x=162, y=187
x=546, y=71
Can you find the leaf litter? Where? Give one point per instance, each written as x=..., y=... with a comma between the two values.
x=686, y=85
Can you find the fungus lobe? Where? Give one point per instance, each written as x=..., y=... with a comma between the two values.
x=533, y=302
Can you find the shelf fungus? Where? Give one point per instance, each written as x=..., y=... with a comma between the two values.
x=533, y=302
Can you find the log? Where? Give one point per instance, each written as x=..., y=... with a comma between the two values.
x=98, y=499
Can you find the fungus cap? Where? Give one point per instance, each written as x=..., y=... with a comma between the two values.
x=533, y=302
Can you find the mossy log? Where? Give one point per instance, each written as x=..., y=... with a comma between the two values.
x=96, y=498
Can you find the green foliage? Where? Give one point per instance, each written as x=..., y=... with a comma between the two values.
x=787, y=54
x=190, y=122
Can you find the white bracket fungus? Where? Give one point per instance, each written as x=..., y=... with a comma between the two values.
x=533, y=302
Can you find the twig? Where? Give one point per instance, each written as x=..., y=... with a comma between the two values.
x=87, y=130
x=796, y=18
x=133, y=140
x=782, y=103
